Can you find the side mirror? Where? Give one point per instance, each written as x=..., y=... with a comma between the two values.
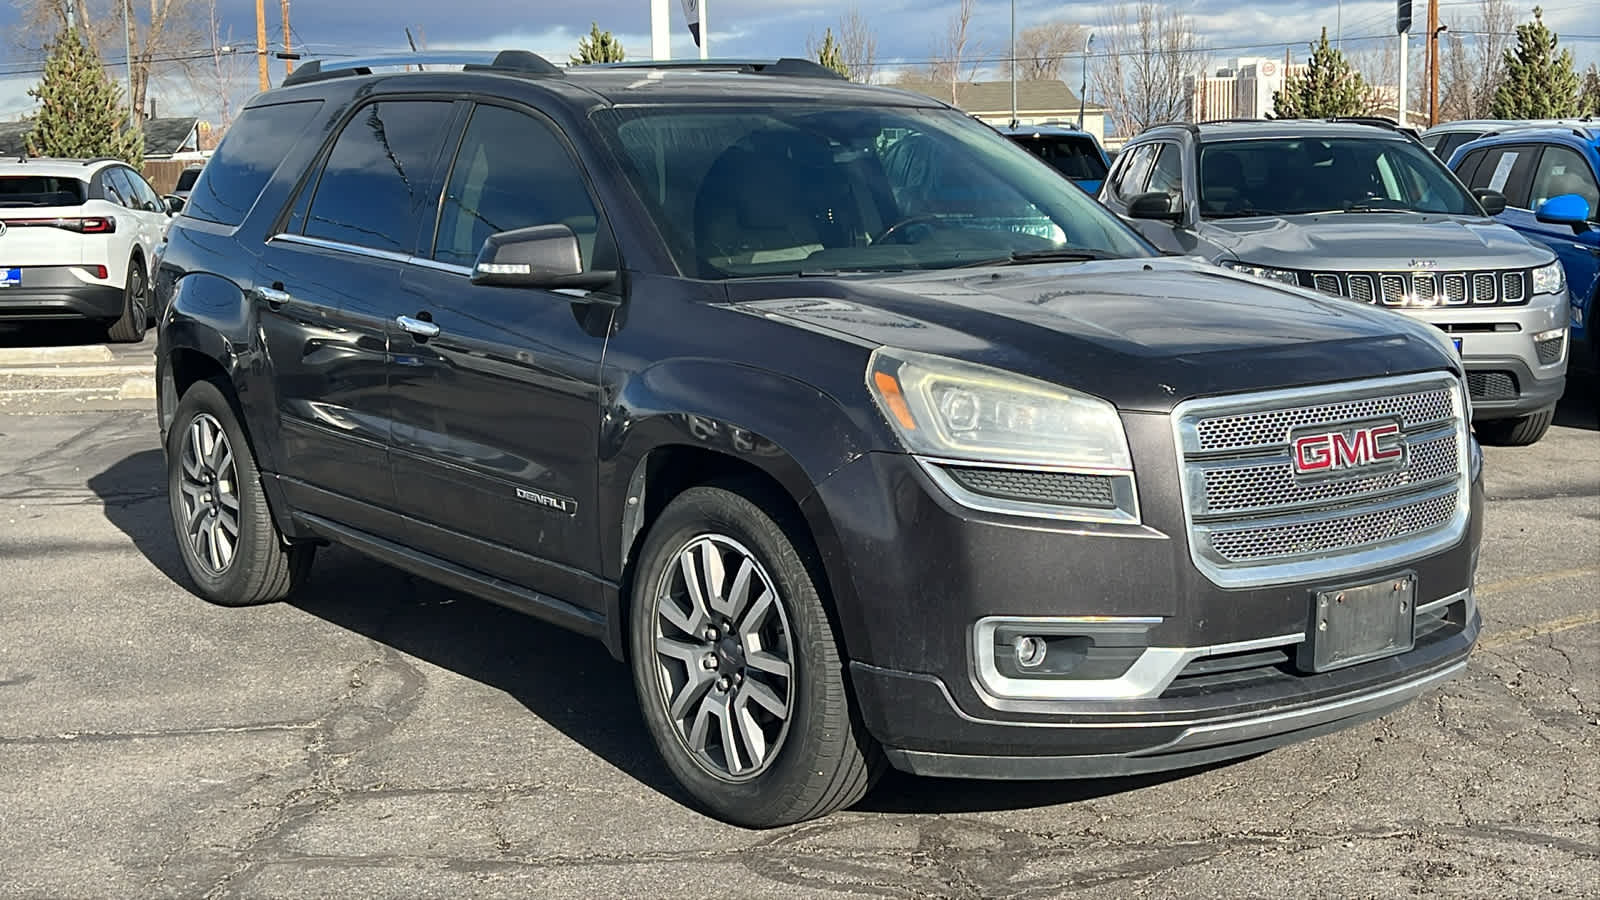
x=1494, y=202
x=1155, y=205
x=1566, y=209
x=173, y=203
x=541, y=256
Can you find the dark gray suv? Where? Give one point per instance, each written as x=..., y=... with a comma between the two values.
x=1361, y=210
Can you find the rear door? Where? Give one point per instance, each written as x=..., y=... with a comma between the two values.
x=327, y=288
x=497, y=416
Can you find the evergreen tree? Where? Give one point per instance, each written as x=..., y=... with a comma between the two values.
x=1328, y=87
x=598, y=47
x=82, y=113
x=1538, y=84
x=830, y=54
x=1589, y=96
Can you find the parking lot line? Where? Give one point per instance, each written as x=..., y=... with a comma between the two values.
x=1506, y=584
x=1528, y=632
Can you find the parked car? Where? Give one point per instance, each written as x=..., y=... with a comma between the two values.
x=862, y=436
x=1072, y=152
x=1551, y=180
x=1446, y=138
x=76, y=238
x=1362, y=211
x=186, y=180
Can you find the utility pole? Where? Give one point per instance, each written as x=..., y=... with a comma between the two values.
x=1433, y=62
x=1013, y=63
x=261, y=42
x=288, y=61
x=1402, y=21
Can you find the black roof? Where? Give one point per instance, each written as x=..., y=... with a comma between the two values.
x=164, y=137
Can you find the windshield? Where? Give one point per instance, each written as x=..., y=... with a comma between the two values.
x=1075, y=157
x=739, y=192
x=1288, y=176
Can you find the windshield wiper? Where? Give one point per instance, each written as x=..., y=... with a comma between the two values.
x=1038, y=256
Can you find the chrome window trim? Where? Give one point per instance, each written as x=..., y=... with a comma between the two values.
x=1124, y=491
x=1147, y=678
x=1338, y=564
x=369, y=252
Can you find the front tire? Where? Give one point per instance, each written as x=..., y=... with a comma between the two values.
x=737, y=668
x=130, y=328
x=230, y=546
x=1518, y=432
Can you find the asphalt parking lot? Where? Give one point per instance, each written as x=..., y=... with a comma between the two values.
x=382, y=737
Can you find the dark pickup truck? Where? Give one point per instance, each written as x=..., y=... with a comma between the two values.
x=862, y=436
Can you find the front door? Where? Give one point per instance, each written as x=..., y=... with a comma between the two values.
x=497, y=415
x=1562, y=170
x=327, y=289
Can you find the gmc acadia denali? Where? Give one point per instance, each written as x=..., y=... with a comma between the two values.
x=860, y=434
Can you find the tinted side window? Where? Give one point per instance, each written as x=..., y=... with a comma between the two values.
x=144, y=196
x=511, y=172
x=378, y=175
x=1508, y=170
x=1563, y=170
x=1469, y=166
x=1132, y=173
x=117, y=189
x=244, y=162
x=1166, y=176
x=1453, y=142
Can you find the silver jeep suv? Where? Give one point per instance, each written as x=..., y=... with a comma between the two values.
x=1360, y=209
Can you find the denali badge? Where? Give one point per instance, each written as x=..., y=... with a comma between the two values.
x=1349, y=448
x=551, y=501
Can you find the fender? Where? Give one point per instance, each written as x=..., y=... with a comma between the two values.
x=785, y=428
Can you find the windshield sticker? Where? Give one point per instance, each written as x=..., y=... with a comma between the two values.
x=1502, y=171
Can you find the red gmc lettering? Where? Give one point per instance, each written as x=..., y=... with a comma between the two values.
x=1338, y=450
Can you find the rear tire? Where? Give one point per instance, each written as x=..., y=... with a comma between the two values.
x=130, y=328
x=231, y=548
x=758, y=642
x=1518, y=432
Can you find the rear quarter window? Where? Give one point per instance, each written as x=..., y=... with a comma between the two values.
x=41, y=190
x=254, y=147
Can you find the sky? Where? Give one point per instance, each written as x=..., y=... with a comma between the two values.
x=906, y=29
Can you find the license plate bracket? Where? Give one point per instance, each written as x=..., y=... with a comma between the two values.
x=1358, y=623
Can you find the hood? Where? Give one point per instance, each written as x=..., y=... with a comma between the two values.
x=1374, y=242
x=1145, y=334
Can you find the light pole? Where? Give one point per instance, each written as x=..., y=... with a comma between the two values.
x=1083, y=86
x=1013, y=63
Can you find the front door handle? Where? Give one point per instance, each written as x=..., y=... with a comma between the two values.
x=417, y=327
x=275, y=297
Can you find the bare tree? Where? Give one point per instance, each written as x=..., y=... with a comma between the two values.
x=858, y=44
x=162, y=34
x=215, y=81
x=1043, y=50
x=956, y=58
x=1472, y=60
x=1150, y=48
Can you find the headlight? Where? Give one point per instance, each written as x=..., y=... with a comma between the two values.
x=949, y=408
x=1283, y=275
x=1551, y=279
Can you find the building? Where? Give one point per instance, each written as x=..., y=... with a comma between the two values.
x=1038, y=102
x=168, y=138
x=1241, y=90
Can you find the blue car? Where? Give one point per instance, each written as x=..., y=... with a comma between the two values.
x=1073, y=153
x=1551, y=179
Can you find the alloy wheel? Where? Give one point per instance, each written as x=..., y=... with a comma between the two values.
x=210, y=492
x=724, y=657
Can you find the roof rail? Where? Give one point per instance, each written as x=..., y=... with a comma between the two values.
x=1191, y=127
x=1233, y=121
x=788, y=66
x=520, y=62
x=1376, y=121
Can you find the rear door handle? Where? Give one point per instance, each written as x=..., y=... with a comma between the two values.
x=417, y=327
x=275, y=297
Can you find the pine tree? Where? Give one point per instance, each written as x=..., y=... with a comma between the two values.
x=1589, y=96
x=1328, y=87
x=1538, y=84
x=598, y=47
x=830, y=54
x=82, y=113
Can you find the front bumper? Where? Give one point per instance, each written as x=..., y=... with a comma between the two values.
x=1505, y=371
x=54, y=293
x=922, y=571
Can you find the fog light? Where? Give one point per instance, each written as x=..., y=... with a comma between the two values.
x=1550, y=335
x=1030, y=651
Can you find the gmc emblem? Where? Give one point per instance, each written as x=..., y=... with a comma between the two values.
x=1350, y=448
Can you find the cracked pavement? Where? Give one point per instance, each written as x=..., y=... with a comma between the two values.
x=383, y=737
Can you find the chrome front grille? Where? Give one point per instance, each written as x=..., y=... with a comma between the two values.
x=1425, y=289
x=1253, y=519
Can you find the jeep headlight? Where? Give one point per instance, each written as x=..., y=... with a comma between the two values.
x=1551, y=279
x=1283, y=275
